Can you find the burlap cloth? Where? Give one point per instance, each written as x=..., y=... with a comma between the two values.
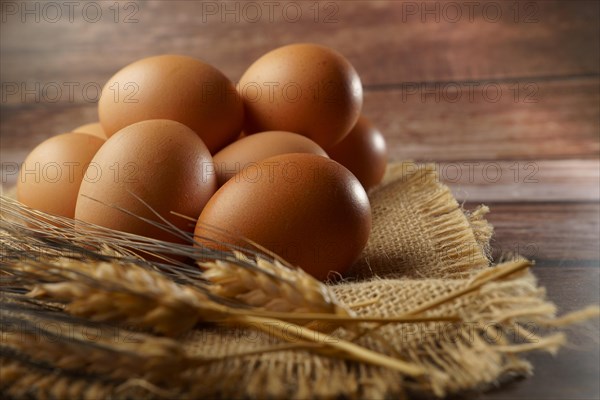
x=423, y=245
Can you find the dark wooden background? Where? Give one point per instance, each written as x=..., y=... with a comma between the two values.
x=508, y=104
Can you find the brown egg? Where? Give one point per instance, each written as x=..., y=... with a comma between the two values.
x=93, y=128
x=307, y=208
x=164, y=163
x=178, y=88
x=302, y=88
x=364, y=152
x=254, y=148
x=52, y=173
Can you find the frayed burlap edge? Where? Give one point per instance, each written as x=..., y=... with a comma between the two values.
x=420, y=230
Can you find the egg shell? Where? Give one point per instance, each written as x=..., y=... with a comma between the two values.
x=93, y=128
x=52, y=173
x=307, y=208
x=178, y=88
x=303, y=88
x=254, y=148
x=164, y=163
x=364, y=152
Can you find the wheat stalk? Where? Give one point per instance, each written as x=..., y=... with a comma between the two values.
x=112, y=282
x=100, y=284
x=113, y=292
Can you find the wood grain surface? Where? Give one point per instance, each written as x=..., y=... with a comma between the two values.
x=503, y=95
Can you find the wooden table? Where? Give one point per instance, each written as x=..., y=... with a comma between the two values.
x=505, y=95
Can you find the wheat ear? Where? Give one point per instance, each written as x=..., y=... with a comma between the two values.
x=120, y=292
x=269, y=285
x=19, y=381
x=153, y=358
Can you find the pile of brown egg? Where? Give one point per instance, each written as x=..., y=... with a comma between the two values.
x=284, y=159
